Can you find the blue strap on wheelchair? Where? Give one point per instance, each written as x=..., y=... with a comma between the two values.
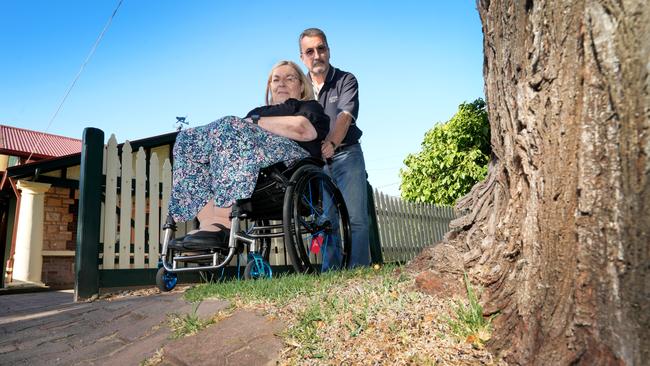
x=238, y=267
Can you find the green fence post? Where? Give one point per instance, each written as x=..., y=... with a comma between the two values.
x=9, y=230
x=376, y=256
x=86, y=282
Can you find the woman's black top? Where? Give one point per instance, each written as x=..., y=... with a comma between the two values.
x=309, y=109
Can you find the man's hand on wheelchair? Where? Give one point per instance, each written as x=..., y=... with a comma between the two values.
x=327, y=149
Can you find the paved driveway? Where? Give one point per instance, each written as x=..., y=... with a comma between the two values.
x=48, y=328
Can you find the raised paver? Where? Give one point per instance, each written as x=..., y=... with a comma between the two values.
x=245, y=338
x=207, y=308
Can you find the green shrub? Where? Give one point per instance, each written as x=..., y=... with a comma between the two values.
x=454, y=157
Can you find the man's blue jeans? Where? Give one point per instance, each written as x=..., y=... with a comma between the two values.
x=348, y=169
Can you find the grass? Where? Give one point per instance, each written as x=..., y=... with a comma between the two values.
x=188, y=324
x=318, y=305
x=281, y=289
x=154, y=360
x=469, y=323
x=363, y=316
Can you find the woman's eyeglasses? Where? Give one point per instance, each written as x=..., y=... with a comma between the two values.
x=288, y=80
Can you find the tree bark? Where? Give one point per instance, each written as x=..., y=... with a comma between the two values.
x=558, y=234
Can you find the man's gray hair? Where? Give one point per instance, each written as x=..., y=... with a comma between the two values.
x=312, y=32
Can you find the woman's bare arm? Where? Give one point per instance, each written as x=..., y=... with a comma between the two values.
x=297, y=128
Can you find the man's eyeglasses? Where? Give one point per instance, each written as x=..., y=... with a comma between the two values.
x=310, y=52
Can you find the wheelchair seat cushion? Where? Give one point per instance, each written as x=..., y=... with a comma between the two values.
x=201, y=240
x=268, y=176
x=267, y=199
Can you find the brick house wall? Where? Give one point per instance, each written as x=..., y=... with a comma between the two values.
x=58, y=272
x=59, y=234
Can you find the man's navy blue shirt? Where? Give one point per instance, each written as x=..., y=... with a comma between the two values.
x=340, y=93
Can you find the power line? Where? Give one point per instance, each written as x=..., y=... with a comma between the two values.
x=81, y=69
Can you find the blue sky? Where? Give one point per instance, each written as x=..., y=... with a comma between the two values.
x=415, y=60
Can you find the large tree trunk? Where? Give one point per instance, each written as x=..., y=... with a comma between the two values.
x=559, y=232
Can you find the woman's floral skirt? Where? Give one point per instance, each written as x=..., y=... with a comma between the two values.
x=221, y=161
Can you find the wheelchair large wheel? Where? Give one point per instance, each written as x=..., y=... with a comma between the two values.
x=316, y=223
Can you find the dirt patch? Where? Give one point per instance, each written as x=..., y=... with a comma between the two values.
x=118, y=293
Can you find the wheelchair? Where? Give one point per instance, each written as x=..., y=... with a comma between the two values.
x=314, y=225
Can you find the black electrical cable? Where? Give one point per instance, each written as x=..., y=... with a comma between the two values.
x=81, y=69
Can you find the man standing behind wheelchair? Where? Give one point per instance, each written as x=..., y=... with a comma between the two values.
x=217, y=164
x=338, y=92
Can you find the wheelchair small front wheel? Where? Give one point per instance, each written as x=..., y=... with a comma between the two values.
x=166, y=281
x=257, y=270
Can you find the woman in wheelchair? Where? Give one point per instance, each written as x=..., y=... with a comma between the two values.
x=218, y=178
x=217, y=164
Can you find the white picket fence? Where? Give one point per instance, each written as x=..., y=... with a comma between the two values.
x=131, y=220
x=138, y=246
x=406, y=228
x=117, y=242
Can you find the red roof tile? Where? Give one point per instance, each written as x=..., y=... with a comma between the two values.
x=22, y=142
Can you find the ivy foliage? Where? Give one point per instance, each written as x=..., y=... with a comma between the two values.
x=454, y=157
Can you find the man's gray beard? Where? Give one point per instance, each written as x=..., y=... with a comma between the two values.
x=319, y=70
